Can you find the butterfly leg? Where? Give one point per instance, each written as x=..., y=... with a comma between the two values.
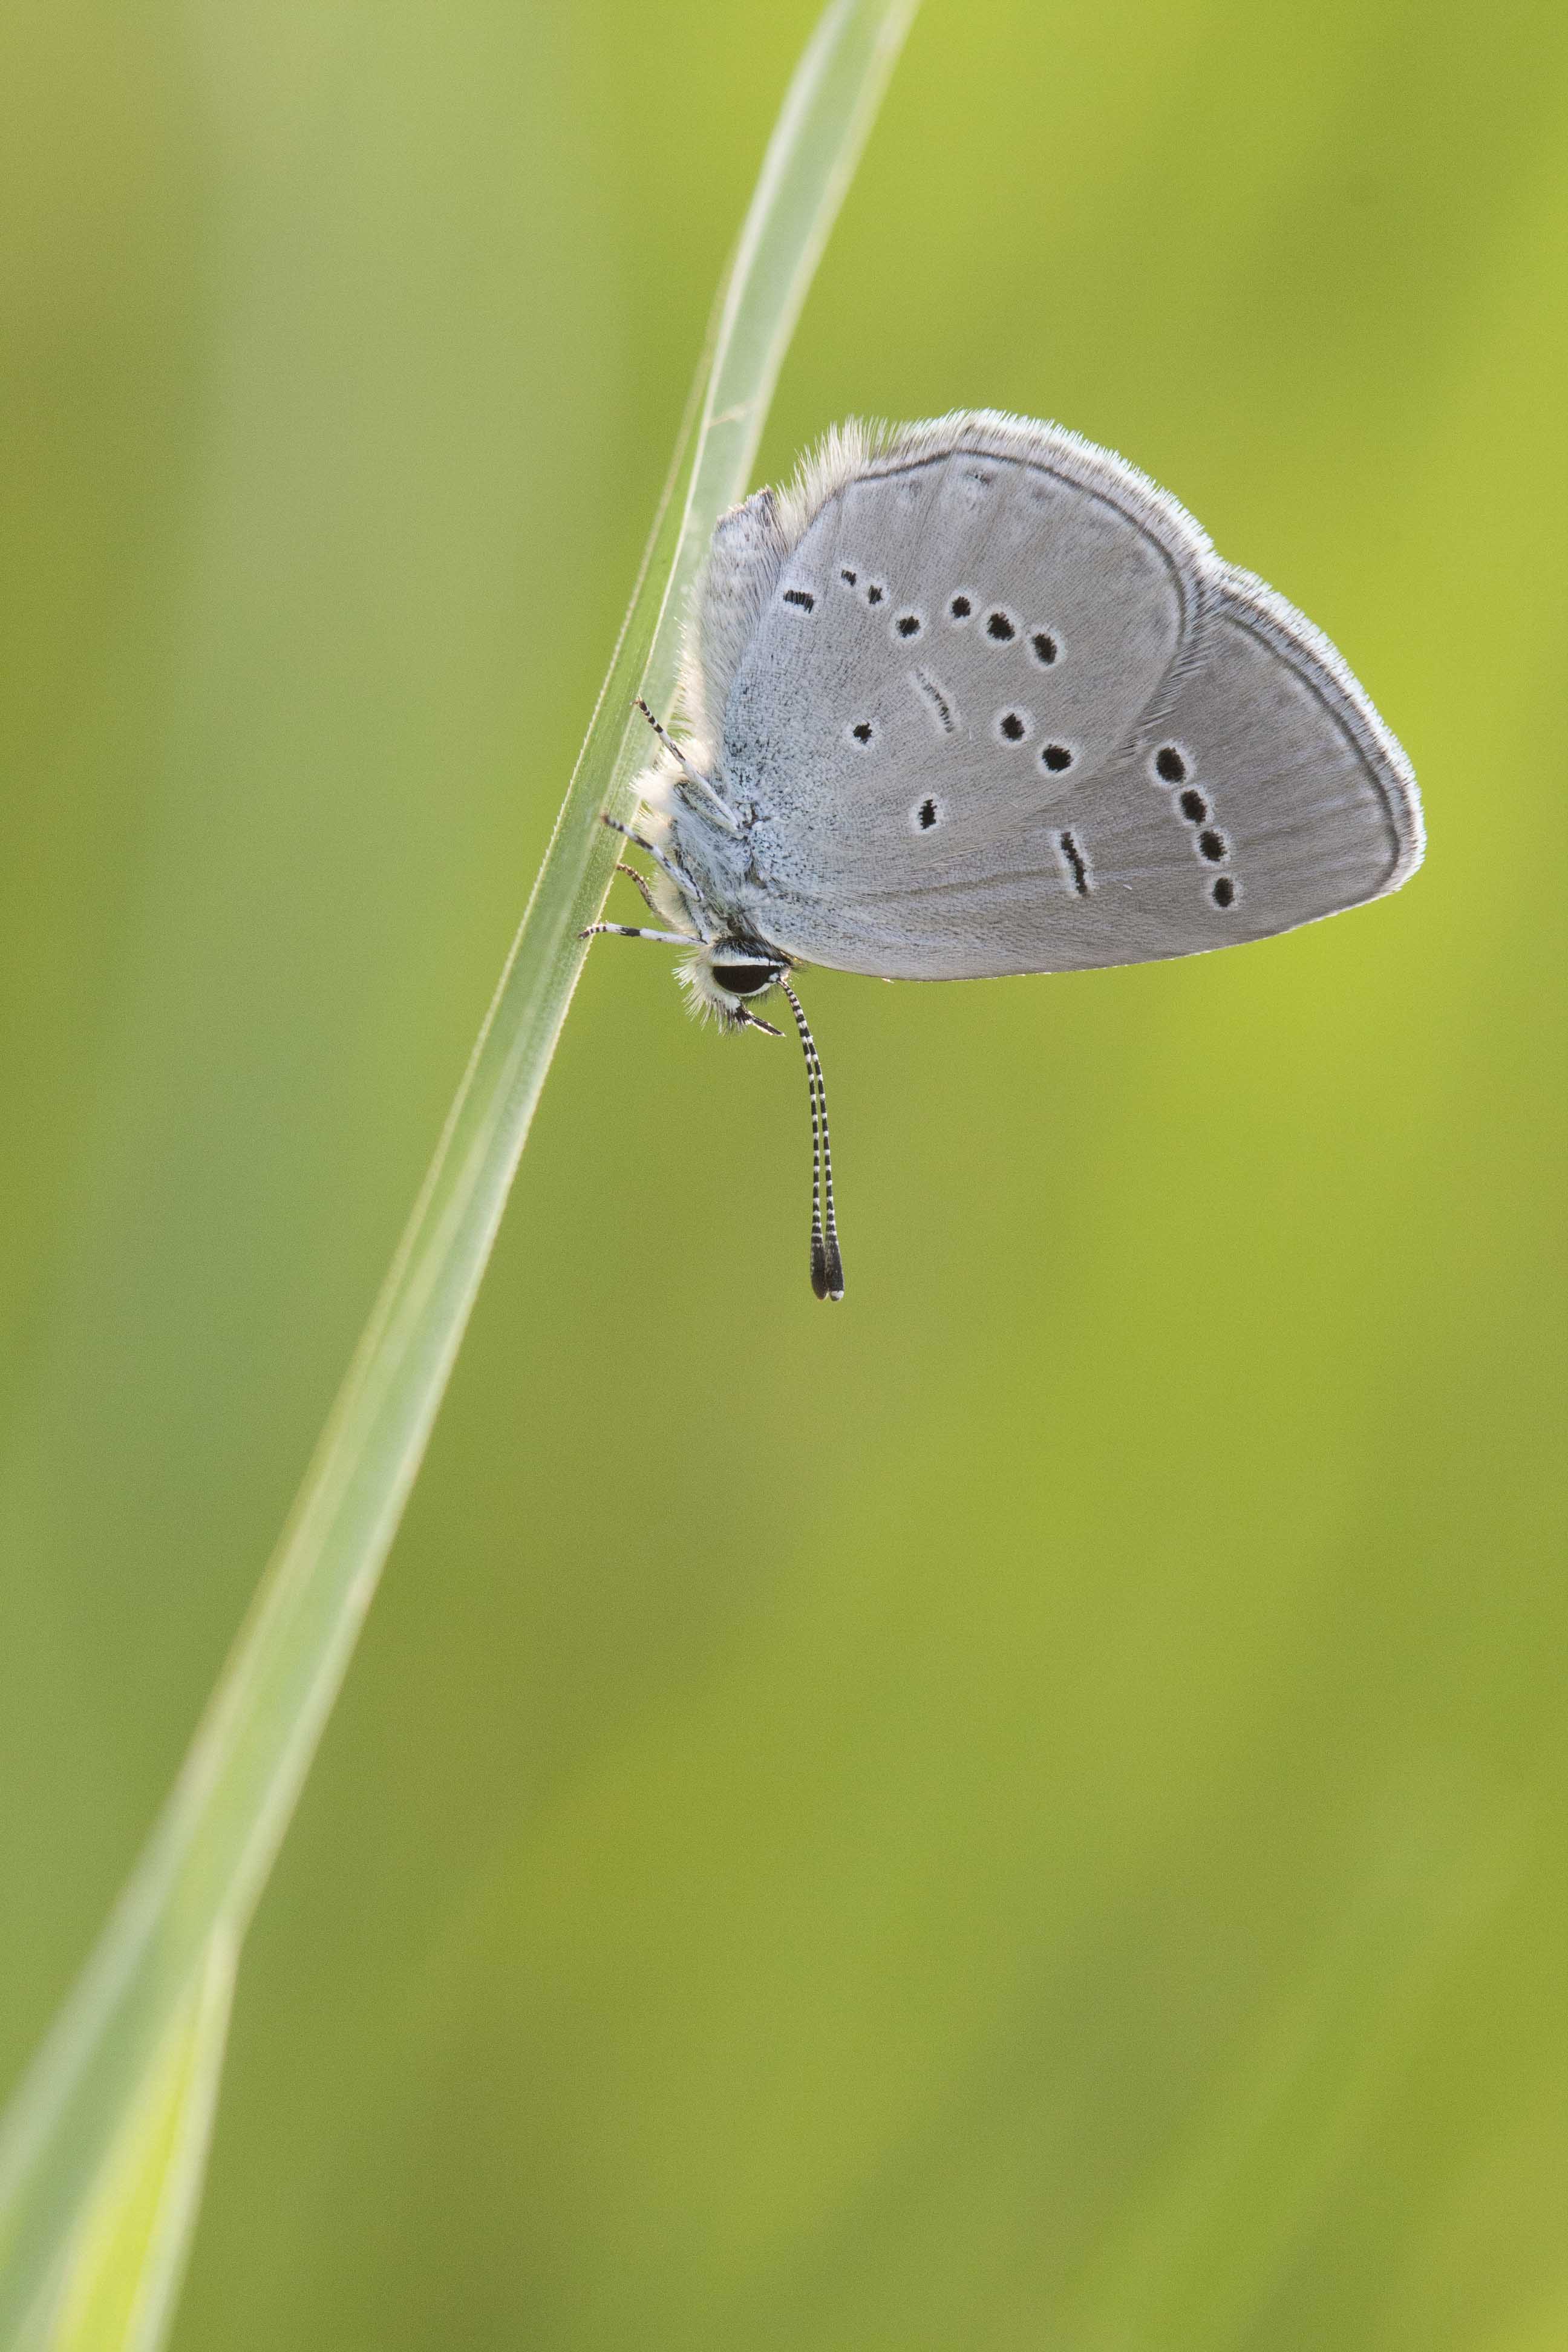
x=694, y=775
x=631, y=931
x=661, y=859
x=681, y=880
x=641, y=880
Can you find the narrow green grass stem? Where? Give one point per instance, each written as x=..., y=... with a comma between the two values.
x=212, y=1848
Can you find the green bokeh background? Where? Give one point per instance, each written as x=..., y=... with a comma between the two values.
x=1028, y=1810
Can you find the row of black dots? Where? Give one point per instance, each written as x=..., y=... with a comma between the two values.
x=1012, y=726
x=863, y=732
x=875, y=594
x=1171, y=768
x=906, y=626
x=1001, y=629
x=999, y=625
x=1016, y=725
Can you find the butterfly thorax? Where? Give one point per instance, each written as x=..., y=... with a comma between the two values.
x=714, y=891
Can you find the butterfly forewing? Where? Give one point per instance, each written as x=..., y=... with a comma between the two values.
x=981, y=627
x=999, y=709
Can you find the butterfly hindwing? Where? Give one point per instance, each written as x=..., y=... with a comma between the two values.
x=1309, y=794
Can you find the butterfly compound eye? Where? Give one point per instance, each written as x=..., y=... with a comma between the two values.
x=746, y=979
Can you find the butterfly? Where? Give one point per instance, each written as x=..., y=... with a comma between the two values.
x=976, y=697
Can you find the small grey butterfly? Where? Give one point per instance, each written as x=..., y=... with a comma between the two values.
x=975, y=697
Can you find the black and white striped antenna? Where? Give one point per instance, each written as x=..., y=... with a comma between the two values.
x=827, y=1264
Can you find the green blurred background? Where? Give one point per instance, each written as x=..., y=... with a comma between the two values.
x=1027, y=1812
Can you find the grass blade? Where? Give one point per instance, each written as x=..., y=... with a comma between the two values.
x=128, y=2256
x=192, y=1893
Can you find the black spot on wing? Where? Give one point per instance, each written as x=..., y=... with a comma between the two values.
x=937, y=700
x=1076, y=863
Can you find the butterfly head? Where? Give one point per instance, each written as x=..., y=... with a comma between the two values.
x=730, y=977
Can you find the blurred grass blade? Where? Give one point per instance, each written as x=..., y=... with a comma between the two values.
x=124, y=2266
x=1197, y=2258
x=211, y=1850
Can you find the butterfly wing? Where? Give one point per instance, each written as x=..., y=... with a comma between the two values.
x=1000, y=710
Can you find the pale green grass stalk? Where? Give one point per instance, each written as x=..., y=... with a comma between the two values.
x=128, y=2254
x=102, y=2151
